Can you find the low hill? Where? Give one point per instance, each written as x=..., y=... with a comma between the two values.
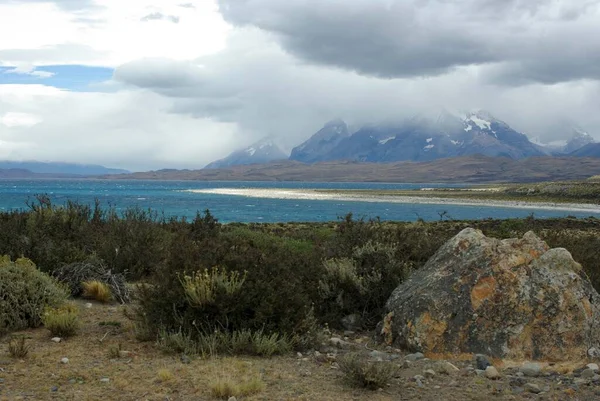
x=473, y=169
x=59, y=168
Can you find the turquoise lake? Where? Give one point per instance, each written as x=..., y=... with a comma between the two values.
x=171, y=198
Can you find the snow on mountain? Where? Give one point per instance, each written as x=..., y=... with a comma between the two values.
x=263, y=151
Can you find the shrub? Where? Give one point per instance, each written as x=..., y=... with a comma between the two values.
x=361, y=283
x=367, y=374
x=96, y=290
x=203, y=288
x=25, y=293
x=62, y=321
x=265, y=284
x=17, y=348
x=93, y=269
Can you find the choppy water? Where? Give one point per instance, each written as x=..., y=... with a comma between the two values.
x=172, y=198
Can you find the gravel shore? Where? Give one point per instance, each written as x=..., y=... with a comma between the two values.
x=310, y=194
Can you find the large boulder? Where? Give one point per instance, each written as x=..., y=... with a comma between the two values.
x=513, y=298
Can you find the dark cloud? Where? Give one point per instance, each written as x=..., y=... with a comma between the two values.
x=160, y=17
x=411, y=38
x=266, y=91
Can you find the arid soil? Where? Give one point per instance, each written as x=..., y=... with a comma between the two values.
x=143, y=372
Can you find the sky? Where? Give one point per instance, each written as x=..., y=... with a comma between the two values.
x=150, y=84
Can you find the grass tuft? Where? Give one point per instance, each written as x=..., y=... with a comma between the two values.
x=164, y=376
x=62, y=321
x=97, y=290
x=366, y=374
x=17, y=347
x=224, y=388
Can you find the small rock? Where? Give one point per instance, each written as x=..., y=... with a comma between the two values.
x=127, y=354
x=594, y=352
x=531, y=369
x=72, y=381
x=482, y=362
x=348, y=333
x=419, y=377
x=64, y=361
x=105, y=380
x=232, y=399
x=414, y=357
x=183, y=358
x=480, y=372
x=54, y=389
x=533, y=388
x=429, y=373
x=446, y=368
x=587, y=374
x=112, y=310
x=593, y=367
x=1, y=381
x=299, y=354
x=406, y=364
x=351, y=322
x=492, y=373
x=56, y=339
x=88, y=305
x=337, y=342
x=579, y=381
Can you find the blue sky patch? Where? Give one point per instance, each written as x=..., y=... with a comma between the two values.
x=71, y=77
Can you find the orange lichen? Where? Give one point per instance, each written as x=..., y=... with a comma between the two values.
x=431, y=332
x=482, y=291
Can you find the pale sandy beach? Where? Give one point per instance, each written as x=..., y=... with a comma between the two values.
x=310, y=194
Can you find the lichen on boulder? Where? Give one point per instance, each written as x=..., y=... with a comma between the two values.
x=512, y=298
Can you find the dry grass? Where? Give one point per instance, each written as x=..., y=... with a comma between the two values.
x=18, y=348
x=97, y=290
x=62, y=321
x=138, y=376
x=223, y=388
x=164, y=375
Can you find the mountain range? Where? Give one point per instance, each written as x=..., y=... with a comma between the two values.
x=422, y=138
x=25, y=168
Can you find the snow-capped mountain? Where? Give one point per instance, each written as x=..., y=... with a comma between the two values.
x=318, y=146
x=263, y=151
x=579, y=139
x=421, y=138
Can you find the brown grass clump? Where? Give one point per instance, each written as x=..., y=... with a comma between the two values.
x=62, y=321
x=97, y=290
x=223, y=388
x=164, y=376
x=368, y=374
x=17, y=348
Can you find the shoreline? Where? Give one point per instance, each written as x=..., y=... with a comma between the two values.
x=312, y=194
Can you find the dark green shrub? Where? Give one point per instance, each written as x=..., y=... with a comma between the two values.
x=277, y=280
x=24, y=294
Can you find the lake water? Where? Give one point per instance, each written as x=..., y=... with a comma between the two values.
x=172, y=198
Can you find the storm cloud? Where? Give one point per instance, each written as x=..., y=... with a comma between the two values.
x=544, y=41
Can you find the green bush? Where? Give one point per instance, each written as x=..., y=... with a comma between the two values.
x=25, y=293
x=361, y=283
x=265, y=283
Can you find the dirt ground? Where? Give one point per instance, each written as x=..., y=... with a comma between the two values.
x=145, y=373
